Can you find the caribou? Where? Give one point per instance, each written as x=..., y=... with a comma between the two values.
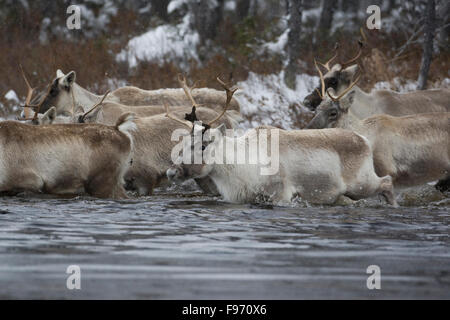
x=341, y=75
x=321, y=166
x=152, y=138
x=412, y=149
x=67, y=159
x=67, y=96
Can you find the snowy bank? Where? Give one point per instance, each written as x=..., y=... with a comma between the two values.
x=265, y=99
x=164, y=43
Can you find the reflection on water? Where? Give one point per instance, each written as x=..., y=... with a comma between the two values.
x=189, y=246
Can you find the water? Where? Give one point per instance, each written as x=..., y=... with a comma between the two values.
x=187, y=246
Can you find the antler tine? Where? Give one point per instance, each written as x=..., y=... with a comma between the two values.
x=30, y=91
x=96, y=105
x=39, y=105
x=187, y=89
x=29, y=88
x=352, y=60
x=35, y=107
x=345, y=91
x=322, y=81
x=170, y=116
x=363, y=35
x=230, y=92
x=327, y=64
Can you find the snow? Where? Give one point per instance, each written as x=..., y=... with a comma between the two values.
x=277, y=46
x=163, y=43
x=265, y=99
x=11, y=95
x=313, y=13
x=230, y=5
x=175, y=4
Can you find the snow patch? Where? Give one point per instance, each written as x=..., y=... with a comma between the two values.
x=164, y=43
x=230, y=5
x=11, y=95
x=277, y=46
x=175, y=5
x=265, y=99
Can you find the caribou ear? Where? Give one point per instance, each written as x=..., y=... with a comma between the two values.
x=59, y=73
x=49, y=116
x=347, y=101
x=349, y=72
x=68, y=80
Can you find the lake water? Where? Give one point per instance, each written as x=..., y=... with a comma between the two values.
x=183, y=245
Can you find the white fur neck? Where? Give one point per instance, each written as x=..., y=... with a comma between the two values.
x=83, y=97
x=362, y=106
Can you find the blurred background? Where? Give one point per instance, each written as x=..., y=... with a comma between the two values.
x=266, y=47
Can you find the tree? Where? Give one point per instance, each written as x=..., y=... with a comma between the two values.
x=159, y=7
x=242, y=9
x=444, y=23
x=293, y=43
x=350, y=5
x=326, y=18
x=207, y=17
x=430, y=28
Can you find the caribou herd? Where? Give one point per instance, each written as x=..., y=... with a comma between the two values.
x=70, y=141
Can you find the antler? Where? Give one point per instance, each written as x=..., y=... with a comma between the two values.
x=322, y=81
x=187, y=89
x=230, y=92
x=352, y=60
x=95, y=106
x=345, y=91
x=170, y=116
x=327, y=64
x=35, y=107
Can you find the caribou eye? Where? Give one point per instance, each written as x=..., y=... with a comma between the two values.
x=203, y=148
x=333, y=114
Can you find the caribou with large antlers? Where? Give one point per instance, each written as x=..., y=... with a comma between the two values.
x=320, y=166
x=340, y=76
x=67, y=97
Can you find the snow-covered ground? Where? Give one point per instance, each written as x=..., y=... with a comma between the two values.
x=265, y=99
x=174, y=43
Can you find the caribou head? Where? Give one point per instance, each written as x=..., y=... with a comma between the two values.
x=93, y=115
x=334, y=109
x=338, y=77
x=201, y=136
x=58, y=93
